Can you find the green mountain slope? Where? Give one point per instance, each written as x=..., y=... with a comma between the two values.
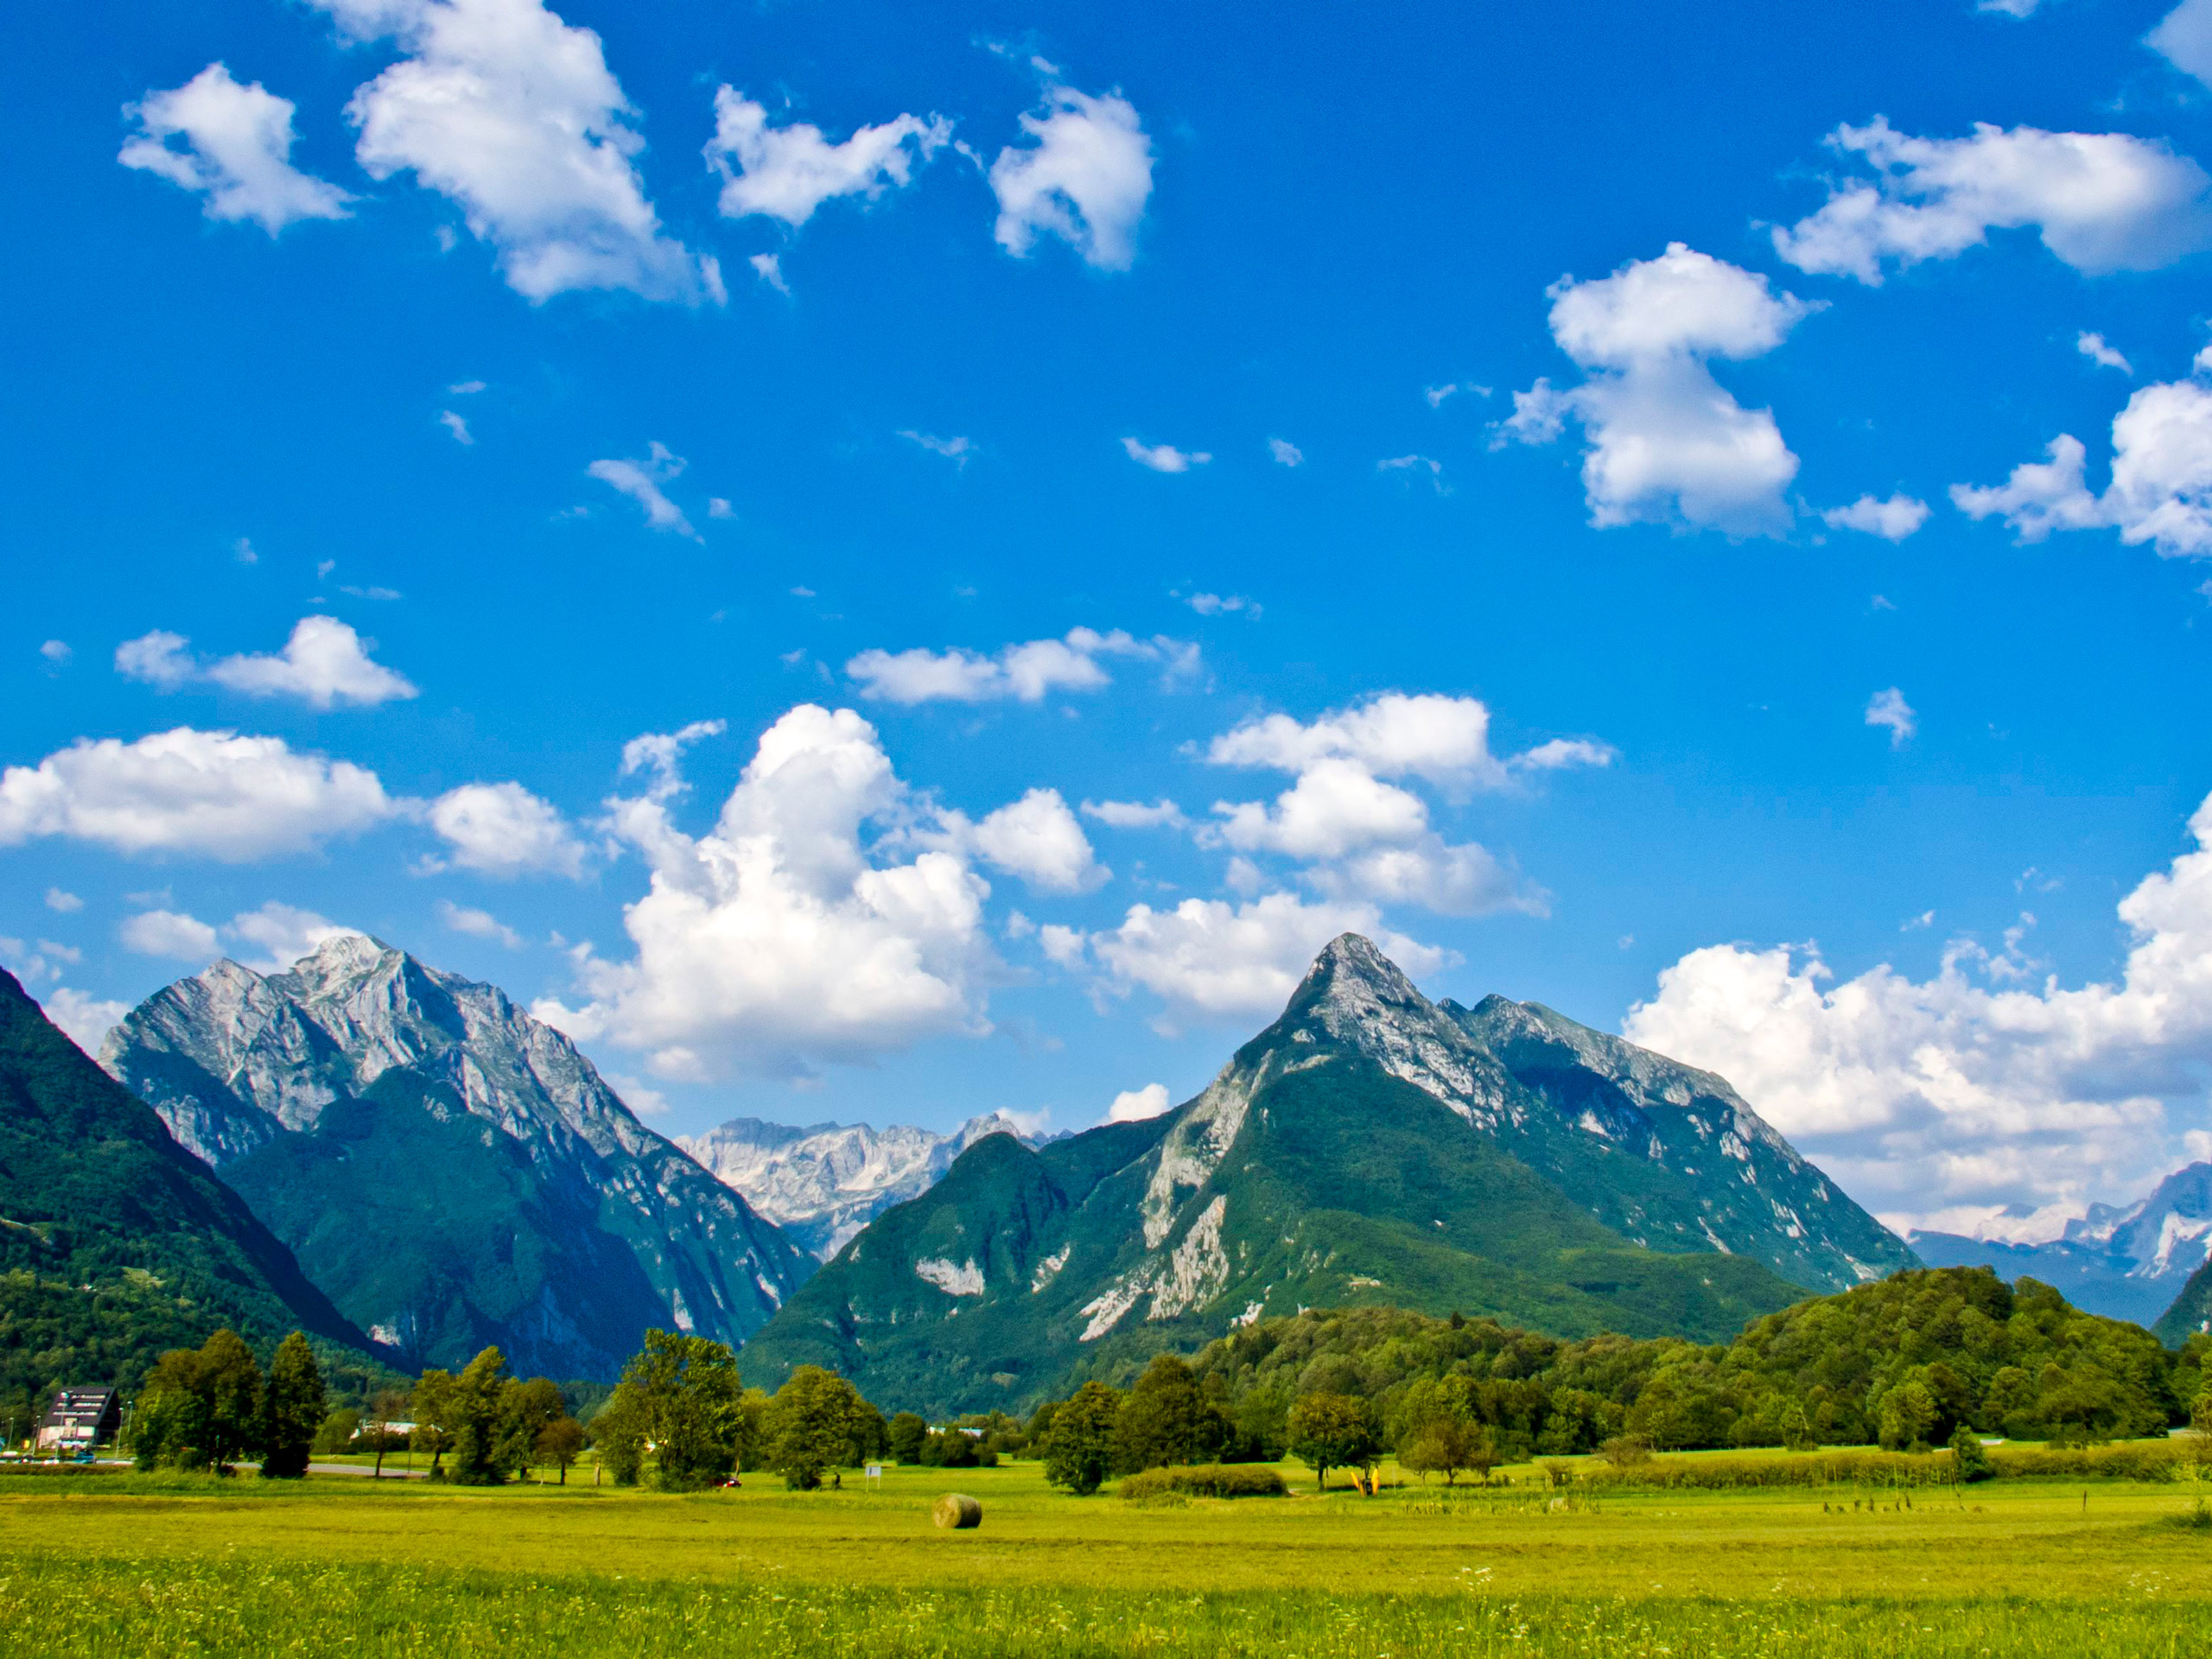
x=1369, y=1148
x=115, y=1242
x=2190, y=1315
x=450, y=1169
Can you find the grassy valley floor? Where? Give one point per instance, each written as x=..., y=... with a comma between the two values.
x=115, y=1563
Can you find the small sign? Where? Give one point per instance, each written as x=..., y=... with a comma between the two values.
x=875, y=1474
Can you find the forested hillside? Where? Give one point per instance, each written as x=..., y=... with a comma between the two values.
x=116, y=1242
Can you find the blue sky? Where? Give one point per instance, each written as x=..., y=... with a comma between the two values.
x=1545, y=495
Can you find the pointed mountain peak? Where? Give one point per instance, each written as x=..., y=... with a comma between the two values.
x=1353, y=957
x=342, y=956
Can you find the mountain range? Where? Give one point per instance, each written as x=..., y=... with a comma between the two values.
x=448, y=1169
x=1369, y=1146
x=116, y=1242
x=822, y=1184
x=2126, y=1262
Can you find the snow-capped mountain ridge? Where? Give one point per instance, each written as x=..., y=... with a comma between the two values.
x=824, y=1183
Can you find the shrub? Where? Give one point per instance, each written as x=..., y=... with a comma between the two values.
x=1206, y=1480
x=1969, y=1457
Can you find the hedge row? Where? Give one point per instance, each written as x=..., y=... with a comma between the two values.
x=1207, y=1480
x=2156, y=1461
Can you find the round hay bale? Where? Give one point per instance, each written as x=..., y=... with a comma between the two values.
x=957, y=1510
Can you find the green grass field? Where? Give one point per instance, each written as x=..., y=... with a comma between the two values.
x=117, y=1563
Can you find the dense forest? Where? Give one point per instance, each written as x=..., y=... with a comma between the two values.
x=1903, y=1361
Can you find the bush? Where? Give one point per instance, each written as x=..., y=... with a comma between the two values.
x=2161, y=1460
x=1206, y=1480
x=1969, y=1457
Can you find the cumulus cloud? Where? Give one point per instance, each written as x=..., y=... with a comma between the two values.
x=169, y=933
x=1024, y=673
x=503, y=830
x=514, y=116
x=231, y=145
x=477, y=924
x=1211, y=959
x=2183, y=38
x=1892, y=520
x=1164, y=457
x=1890, y=709
x=457, y=425
x=1084, y=178
x=86, y=1020
x=641, y=480
x=1285, y=453
x=275, y=937
x=1135, y=815
x=2100, y=201
x=212, y=793
x=784, y=936
x=1135, y=1105
x=787, y=172
x=62, y=902
x=1940, y=1102
x=56, y=653
x=324, y=663
x=1358, y=835
x=1038, y=839
x=2161, y=485
x=1666, y=442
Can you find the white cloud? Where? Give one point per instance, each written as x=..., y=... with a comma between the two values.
x=1135, y=1105
x=956, y=450
x=2101, y=201
x=2009, y=7
x=56, y=652
x=1414, y=466
x=477, y=924
x=1025, y=672
x=1889, y=708
x=1285, y=453
x=284, y=933
x=2093, y=347
x=1892, y=520
x=1969, y=1091
x=1134, y=815
x=235, y=152
x=1164, y=457
x=1223, y=605
x=769, y=268
x=216, y=793
x=57, y=900
x=2184, y=39
x=513, y=114
x=458, y=425
x=465, y=388
x=1358, y=836
x=503, y=830
x=86, y=1020
x=641, y=480
x=169, y=933
x=1210, y=959
x=1444, y=741
x=2161, y=485
x=781, y=936
x=1038, y=839
x=787, y=172
x=1666, y=441
x=1086, y=179
x=324, y=663
x=641, y=1098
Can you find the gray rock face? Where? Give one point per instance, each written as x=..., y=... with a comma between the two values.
x=823, y=1184
x=2125, y=1263
x=450, y=1170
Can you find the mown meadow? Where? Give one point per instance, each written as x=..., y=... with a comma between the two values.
x=116, y=1563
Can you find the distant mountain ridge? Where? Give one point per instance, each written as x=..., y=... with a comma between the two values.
x=823, y=1184
x=1369, y=1147
x=115, y=1242
x=2129, y=1261
x=451, y=1170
